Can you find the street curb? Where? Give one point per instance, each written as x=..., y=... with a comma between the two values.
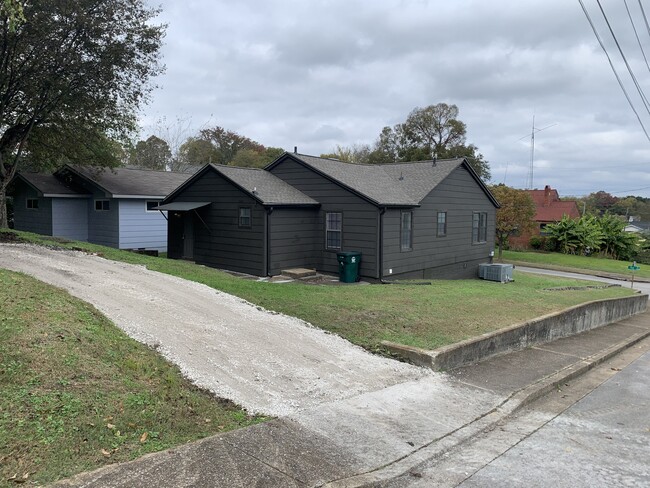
x=486, y=422
x=540, y=330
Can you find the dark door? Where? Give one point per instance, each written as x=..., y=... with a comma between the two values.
x=188, y=235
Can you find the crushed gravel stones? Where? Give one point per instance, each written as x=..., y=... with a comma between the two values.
x=266, y=362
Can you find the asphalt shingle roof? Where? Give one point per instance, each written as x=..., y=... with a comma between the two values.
x=386, y=184
x=48, y=184
x=138, y=182
x=270, y=189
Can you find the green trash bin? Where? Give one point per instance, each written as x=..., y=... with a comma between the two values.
x=349, y=263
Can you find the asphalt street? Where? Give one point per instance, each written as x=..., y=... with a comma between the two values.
x=603, y=440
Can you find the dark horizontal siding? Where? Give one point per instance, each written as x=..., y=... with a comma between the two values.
x=37, y=220
x=218, y=240
x=293, y=239
x=360, y=217
x=459, y=195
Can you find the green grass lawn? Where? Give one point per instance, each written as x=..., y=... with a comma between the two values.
x=426, y=316
x=77, y=393
x=590, y=263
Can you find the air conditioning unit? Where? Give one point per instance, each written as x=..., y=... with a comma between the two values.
x=495, y=272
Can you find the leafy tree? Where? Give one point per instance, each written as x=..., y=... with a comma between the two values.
x=72, y=77
x=433, y=131
x=616, y=242
x=13, y=11
x=575, y=236
x=154, y=153
x=227, y=143
x=515, y=215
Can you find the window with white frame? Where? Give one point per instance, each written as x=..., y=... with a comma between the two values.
x=406, y=231
x=479, y=227
x=150, y=205
x=441, y=225
x=32, y=203
x=333, y=230
x=245, y=219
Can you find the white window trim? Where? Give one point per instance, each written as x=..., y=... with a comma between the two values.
x=146, y=205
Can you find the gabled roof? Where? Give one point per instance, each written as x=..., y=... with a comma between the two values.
x=265, y=187
x=48, y=185
x=549, y=206
x=127, y=182
x=398, y=184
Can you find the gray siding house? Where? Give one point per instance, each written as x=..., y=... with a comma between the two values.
x=112, y=207
x=429, y=219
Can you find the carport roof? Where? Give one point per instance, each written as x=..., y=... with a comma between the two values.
x=181, y=206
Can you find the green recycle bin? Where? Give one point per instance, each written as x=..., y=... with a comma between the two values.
x=349, y=263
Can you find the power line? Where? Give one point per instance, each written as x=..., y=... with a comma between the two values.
x=637, y=34
x=645, y=19
x=618, y=78
x=629, y=68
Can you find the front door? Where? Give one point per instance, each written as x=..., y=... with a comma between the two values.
x=188, y=235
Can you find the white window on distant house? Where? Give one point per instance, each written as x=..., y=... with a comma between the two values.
x=245, y=219
x=406, y=231
x=479, y=227
x=32, y=203
x=441, y=228
x=151, y=204
x=333, y=230
x=102, y=205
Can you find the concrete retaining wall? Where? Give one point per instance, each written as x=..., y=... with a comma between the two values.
x=537, y=331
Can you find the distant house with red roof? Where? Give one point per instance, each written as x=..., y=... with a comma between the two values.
x=550, y=209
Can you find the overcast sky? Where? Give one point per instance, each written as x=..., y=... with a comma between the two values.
x=317, y=73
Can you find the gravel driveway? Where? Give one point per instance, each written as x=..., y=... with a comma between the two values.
x=266, y=362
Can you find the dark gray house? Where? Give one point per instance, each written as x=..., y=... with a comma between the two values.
x=113, y=207
x=409, y=220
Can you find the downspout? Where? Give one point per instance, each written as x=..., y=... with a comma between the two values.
x=380, y=252
x=267, y=224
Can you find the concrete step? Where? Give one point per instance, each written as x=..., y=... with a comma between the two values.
x=298, y=273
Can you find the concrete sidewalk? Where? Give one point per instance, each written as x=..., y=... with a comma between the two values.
x=376, y=436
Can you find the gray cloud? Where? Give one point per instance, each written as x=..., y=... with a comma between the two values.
x=326, y=72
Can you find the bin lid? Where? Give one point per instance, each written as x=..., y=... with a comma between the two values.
x=349, y=253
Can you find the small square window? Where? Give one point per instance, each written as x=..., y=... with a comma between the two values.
x=102, y=205
x=245, y=219
x=32, y=203
x=151, y=204
x=441, y=229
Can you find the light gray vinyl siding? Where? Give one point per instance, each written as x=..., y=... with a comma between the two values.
x=139, y=228
x=453, y=255
x=70, y=218
x=360, y=218
x=293, y=238
x=219, y=242
x=103, y=226
x=38, y=220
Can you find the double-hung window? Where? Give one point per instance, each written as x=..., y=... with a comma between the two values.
x=333, y=230
x=479, y=227
x=441, y=228
x=245, y=219
x=406, y=231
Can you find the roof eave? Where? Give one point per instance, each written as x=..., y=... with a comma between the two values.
x=480, y=182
